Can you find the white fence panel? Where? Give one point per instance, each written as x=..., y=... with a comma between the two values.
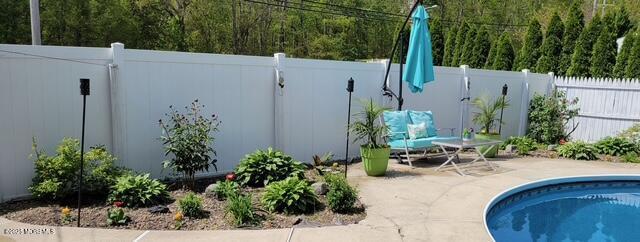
x=236, y=88
x=607, y=106
x=39, y=97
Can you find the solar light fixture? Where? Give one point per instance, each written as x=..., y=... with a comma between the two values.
x=350, y=83
x=505, y=88
x=84, y=91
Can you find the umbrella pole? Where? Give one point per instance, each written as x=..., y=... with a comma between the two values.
x=386, y=90
x=400, y=99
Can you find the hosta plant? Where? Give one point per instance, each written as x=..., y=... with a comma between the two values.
x=577, y=150
x=188, y=138
x=290, y=196
x=267, y=166
x=138, y=191
x=523, y=144
x=615, y=146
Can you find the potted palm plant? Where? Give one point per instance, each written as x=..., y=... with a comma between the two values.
x=485, y=117
x=367, y=128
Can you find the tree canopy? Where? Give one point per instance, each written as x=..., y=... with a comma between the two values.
x=331, y=29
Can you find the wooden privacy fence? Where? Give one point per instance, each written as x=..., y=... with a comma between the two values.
x=607, y=106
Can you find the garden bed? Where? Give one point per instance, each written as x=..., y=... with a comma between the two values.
x=94, y=213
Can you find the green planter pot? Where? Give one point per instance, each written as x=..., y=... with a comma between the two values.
x=493, y=151
x=375, y=161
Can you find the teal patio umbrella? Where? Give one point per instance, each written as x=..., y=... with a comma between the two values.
x=419, y=67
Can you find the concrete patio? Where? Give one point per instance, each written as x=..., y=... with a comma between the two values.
x=408, y=204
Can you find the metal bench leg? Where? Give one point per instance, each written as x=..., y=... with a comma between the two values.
x=406, y=150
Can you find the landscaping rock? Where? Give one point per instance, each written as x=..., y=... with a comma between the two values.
x=320, y=188
x=298, y=220
x=338, y=221
x=210, y=191
x=510, y=149
x=158, y=209
x=552, y=147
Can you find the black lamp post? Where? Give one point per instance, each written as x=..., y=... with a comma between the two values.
x=504, y=94
x=84, y=91
x=346, y=153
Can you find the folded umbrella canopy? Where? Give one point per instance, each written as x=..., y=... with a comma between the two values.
x=419, y=67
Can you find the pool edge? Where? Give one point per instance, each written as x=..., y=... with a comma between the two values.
x=549, y=181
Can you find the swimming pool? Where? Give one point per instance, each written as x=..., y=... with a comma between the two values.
x=590, y=208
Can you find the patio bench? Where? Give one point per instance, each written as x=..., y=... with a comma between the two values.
x=398, y=135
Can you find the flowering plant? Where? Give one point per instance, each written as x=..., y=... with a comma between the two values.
x=66, y=215
x=179, y=219
x=118, y=204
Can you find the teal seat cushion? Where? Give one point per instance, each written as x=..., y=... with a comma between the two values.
x=424, y=117
x=418, y=143
x=396, y=121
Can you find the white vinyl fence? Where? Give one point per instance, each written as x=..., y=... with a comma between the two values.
x=132, y=89
x=607, y=106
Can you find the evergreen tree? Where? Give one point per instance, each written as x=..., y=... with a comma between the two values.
x=480, y=49
x=622, y=22
x=530, y=51
x=491, y=58
x=449, y=46
x=572, y=30
x=14, y=22
x=633, y=65
x=556, y=27
x=603, y=56
x=581, y=58
x=437, y=41
x=623, y=56
x=504, y=54
x=551, y=47
x=460, y=39
x=467, y=48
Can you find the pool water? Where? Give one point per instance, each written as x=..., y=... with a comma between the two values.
x=583, y=211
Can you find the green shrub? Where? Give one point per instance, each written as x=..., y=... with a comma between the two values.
x=137, y=191
x=226, y=189
x=615, y=146
x=188, y=138
x=631, y=157
x=577, y=150
x=341, y=196
x=241, y=208
x=116, y=216
x=548, y=117
x=191, y=205
x=632, y=133
x=102, y=171
x=291, y=196
x=57, y=176
x=523, y=144
x=263, y=167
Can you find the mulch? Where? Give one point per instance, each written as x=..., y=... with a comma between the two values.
x=94, y=213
